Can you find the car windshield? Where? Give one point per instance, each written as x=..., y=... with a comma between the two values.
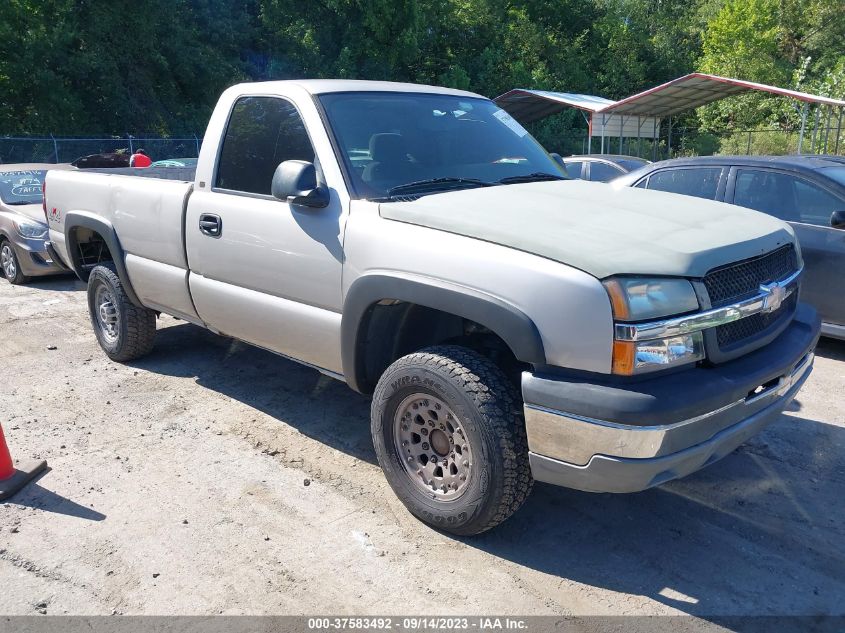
x=411, y=144
x=21, y=187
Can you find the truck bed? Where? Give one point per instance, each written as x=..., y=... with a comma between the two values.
x=183, y=174
x=148, y=216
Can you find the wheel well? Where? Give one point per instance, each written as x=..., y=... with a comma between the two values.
x=88, y=249
x=392, y=329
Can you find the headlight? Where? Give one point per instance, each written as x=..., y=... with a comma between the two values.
x=636, y=299
x=31, y=230
x=639, y=357
x=642, y=299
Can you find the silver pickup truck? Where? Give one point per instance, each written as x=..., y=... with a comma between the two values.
x=417, y=243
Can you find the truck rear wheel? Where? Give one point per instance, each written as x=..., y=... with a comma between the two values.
x=448, y=432
x=124, y=330
x=10, y=264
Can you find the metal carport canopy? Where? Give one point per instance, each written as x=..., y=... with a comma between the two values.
x=531, y=105
x=698, y=89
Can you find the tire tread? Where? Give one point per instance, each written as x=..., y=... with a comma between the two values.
x=500, y=409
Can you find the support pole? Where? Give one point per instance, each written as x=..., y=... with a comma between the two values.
x=827, y=128
x=621, y=126
x=603, y=128
x=803, y=127
x=815, y=129
x=639, y=140
x=838, y=131
x=55, y=147
x=669, y=140
x=131, y=148
x=655, y=138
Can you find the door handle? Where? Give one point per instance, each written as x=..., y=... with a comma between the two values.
x=211, y=225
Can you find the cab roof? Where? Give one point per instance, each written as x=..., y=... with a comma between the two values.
x=325, y=86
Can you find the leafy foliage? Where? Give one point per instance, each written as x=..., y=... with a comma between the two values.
x=85, y=66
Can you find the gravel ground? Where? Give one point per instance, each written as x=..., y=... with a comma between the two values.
x=212, y=477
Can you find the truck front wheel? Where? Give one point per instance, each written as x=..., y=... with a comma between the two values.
x=124, y=330
x=449, y=434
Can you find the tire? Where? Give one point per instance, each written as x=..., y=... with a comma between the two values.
x=124, y=331
x=484, y=474
x=10, y=265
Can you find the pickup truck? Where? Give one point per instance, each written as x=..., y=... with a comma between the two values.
x=416, y=242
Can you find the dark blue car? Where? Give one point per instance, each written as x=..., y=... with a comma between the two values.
x=806, y=191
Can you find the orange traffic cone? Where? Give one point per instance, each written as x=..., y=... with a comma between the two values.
x=13, y=479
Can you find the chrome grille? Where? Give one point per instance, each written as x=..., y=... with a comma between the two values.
x=742, y=280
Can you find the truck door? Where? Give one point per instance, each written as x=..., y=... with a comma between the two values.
x=263, y=270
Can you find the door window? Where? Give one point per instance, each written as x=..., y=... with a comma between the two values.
x=701, y=182
x=784, y=196
x=573, y=170
x=262, y=132
x=602, y=172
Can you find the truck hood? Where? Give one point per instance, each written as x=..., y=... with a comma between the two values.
x=601, y=229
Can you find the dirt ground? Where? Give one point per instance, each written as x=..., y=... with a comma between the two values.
x=212, y=477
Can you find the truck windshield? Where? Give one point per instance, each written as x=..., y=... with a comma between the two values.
x=21, y=187
x=432, y=142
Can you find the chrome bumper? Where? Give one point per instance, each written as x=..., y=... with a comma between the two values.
x=599, y=456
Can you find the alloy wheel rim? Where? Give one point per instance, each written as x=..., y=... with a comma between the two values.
x=7, y=259
x=106, y=313
x=432, y=446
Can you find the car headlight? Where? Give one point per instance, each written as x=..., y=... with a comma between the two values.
x=637, y=299
x=641, y=299
x=31, y=230
x=639, y=357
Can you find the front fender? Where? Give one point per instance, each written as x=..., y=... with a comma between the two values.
x=508, y=322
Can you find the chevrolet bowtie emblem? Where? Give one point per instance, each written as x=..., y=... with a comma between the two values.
x=773, y=296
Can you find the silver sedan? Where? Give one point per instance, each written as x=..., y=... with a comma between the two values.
x=23, y=228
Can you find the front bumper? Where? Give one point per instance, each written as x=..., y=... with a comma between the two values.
x=35, y=258
x=628, y=436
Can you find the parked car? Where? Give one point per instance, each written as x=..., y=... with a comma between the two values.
x=512, y=325
x=23, y=228
x=601, y=167
x=175, y=162
x=109, y=160
x=808, y=192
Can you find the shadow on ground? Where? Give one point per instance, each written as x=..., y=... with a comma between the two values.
x=58, y=283
x=317, y=406
x=831, y=348
x=759, y=532
x=40, y=498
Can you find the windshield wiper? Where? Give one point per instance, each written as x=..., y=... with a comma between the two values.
x=537, y=176
x=432, y=185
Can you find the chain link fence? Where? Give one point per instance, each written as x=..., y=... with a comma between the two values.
x=688, y=141
x=684, y=141
x=55, y=149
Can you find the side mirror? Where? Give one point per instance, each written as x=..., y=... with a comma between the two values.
x=837, y=219
x=558, y=159
x=295, y=182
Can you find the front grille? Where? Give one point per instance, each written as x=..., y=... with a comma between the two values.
x=730, y=335
x=742, y=280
